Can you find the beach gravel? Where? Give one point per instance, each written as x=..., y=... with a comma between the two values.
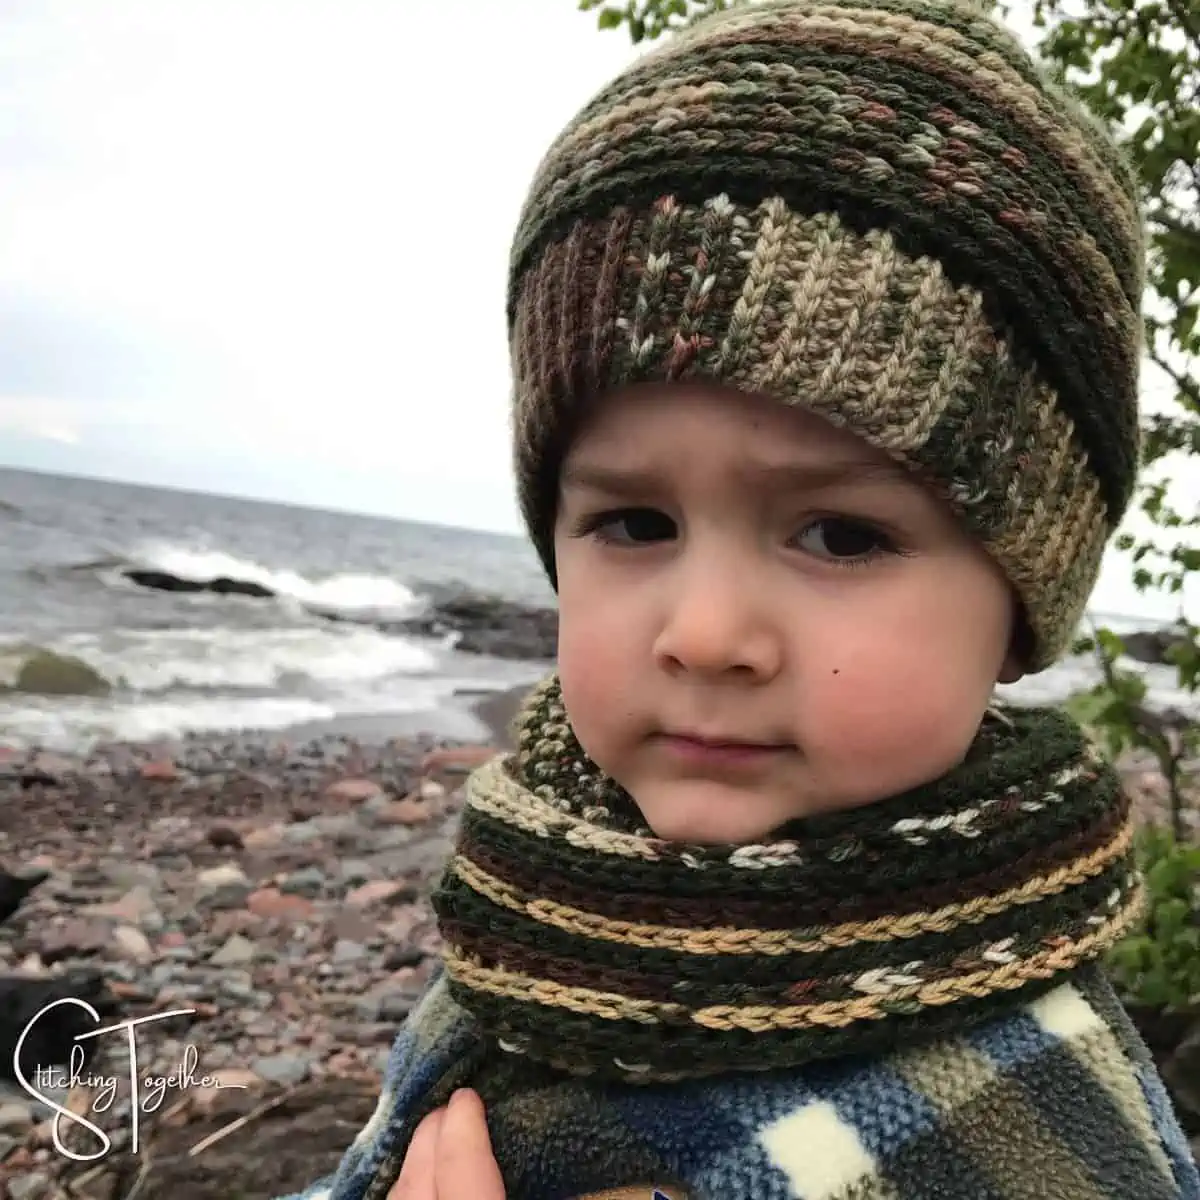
x=279, y=892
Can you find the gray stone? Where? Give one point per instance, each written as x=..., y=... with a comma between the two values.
x=302, y=833
x=15, y=1117
x=133, y=944
x=238, y=984
x=225, y=886
x=395, y=1006
x=309, y=882
x=389, y=838
x=28, y=1187
x=341, y=827
x=236, y=951
x=356, y=870
x=8, y=1145
x=284, y=1069
x=346, y=951
x=131, y=875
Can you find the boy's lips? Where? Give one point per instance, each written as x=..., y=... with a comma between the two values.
x=703, y=748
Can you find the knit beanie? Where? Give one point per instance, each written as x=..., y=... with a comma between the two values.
x=882, y=211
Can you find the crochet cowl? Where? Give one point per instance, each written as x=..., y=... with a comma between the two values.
x=577, y=938
x=882, y=211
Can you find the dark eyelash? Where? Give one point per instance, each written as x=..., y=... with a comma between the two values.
x=592, y=524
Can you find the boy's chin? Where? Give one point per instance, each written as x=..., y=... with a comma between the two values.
x=710, y=813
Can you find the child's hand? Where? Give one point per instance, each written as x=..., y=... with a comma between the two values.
x=450, y=1156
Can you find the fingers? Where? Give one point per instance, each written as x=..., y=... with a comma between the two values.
x=466, y=1168
x=450, y=1156
x=418, y=1180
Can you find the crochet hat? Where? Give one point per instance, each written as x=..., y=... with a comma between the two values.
x=881, y=211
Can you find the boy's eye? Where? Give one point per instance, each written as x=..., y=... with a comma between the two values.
x=632, y=526
x=843, y=539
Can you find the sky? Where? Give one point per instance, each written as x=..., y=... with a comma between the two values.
x=258, y=247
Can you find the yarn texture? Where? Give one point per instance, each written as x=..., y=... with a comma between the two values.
x=902, y=1002
x=881, y=211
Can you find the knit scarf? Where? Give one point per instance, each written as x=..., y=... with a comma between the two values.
x=575, y=937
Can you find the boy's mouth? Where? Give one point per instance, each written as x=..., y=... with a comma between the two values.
x=707, y=749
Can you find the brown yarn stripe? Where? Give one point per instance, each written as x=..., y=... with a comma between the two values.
x=512, y=872
x=590, y=1002
x=900, y=922
x=675, y=979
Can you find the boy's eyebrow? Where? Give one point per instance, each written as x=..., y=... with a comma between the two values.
x=630, y=481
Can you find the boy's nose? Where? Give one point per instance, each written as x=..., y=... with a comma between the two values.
x=717, y=627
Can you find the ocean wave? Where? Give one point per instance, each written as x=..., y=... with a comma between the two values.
x=155, y=661
x=74, y=724
x=350, y=596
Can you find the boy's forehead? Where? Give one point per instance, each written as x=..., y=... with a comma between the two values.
x=650, y=428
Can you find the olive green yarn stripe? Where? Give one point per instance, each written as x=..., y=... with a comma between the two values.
x=710, y=73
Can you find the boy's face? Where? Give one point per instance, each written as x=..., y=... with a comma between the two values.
x=761, y=616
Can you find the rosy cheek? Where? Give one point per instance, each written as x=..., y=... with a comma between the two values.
x=591, y=673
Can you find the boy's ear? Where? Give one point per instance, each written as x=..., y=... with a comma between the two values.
x=1019, y=651
x=1011, y=669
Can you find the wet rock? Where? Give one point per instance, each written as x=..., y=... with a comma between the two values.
x=485, y=624
x=44, y=673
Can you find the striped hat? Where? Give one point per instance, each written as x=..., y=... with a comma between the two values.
x=879, y=210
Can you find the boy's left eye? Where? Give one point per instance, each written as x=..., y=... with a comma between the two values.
x=843, y=539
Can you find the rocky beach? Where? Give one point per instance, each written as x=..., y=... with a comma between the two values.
x=278, y=891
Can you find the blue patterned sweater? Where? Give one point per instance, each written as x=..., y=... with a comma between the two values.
x=1058, y=1100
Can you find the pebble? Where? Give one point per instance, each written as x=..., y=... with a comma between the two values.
x=235, y=952
x=309, y=881
x=346, y=951
x=133, y=943
x=353, y=789
x=28, y=1187
x=378, y=891
x=15, y=1117
x=225, y=886
x=285, y=1069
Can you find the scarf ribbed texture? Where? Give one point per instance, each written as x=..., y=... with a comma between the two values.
x=576, y=937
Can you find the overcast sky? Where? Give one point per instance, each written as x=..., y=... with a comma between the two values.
x=259, y=246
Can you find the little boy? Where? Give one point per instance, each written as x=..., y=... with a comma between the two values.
x=825, y=336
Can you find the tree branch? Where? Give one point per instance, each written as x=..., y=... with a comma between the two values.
x=1185, y=383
